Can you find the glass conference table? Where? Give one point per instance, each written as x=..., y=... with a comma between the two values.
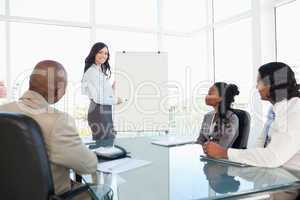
x=177, y=173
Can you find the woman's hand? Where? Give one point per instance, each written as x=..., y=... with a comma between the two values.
x=214, y=150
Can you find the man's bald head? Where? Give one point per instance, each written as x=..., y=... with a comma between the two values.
x=49, y=78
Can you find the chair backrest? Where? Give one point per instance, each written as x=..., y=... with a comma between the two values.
x=24, y=165
x=244, y=129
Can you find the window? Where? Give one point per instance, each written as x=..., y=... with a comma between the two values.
x=187, y=59
x=288, y=31
x=2, y=7
x=224, y=9
x=184, y=16
x=31, y=43
x=2, y=52
x=133, y=13
x=188, y=72
x=133, y=25
x=66, y=10
x=126, y=41
x=233, y=57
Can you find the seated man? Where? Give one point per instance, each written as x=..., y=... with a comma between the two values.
x=65, y=149
x=279, y=145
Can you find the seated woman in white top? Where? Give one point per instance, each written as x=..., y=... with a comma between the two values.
x=96, y=85
x=220, y=125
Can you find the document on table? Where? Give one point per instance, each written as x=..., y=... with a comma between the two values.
x=121, y=165
x=174, y=141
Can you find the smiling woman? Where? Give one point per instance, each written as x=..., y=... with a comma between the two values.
x=96, y=85
x=276, y=82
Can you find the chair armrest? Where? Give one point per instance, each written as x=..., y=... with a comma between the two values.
x=71, y=194
x=106, y=193
x=78, y=178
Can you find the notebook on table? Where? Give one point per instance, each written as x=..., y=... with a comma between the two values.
x=224, y=161
x=174, y=141
x=111, y=153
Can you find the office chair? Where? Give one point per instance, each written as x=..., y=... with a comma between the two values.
x=244, y=129
x=24, y=166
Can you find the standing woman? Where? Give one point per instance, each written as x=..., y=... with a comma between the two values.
x=96, y=85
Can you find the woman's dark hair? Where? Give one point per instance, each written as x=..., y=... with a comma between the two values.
x=227, y=92
x=281, y=79
x=90, y=59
